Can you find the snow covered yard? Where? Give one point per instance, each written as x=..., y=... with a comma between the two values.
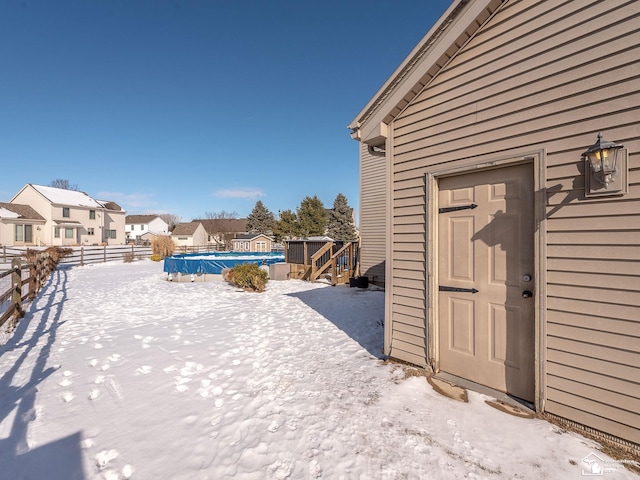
x=116, y=373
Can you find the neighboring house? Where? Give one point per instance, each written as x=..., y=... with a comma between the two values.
x=221, y=231
x=73, y=217
x=508, y=261
x=191, y=234
x=252, y=242
x=20, y=225
x=136, y=226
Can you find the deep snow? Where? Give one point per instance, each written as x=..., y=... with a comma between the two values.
x=117, y=373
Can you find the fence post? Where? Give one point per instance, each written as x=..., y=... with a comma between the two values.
x=105, y=254
x=16, y=286
x=4, y=254
x=33, y=277
x=82, y=255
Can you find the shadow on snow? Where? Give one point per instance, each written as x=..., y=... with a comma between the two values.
x=57, y=460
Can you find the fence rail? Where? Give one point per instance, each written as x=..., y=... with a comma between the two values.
x=83, y=255
x=12, y=299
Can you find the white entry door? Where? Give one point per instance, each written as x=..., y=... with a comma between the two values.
x=485, y=278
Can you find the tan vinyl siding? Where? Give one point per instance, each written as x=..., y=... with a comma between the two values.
x=541, y=76
x=373, y=214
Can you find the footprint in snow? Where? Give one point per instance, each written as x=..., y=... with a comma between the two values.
x=65, y=382
x=143, y=370
x=273, y=426
x=94, y=393
x=67, y=396
x=104, y=457
x=93, y=362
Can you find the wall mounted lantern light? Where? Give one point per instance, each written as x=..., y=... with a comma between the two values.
x=605, y=164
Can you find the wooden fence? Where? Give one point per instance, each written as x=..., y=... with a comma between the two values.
x=13, y=297
x=84, y=255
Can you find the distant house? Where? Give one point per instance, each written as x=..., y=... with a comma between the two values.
x=508, y=253
x=191, y=234
x=137, y=226
x=221, y=231
x=251, y=242
x=73, y=217
x=20, y=225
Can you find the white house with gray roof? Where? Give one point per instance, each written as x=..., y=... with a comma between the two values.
x=139, y=227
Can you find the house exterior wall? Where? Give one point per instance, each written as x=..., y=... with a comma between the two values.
x=199, y=237
x=546, y=77
x=535, y=83
x=29, y=196
x=76, y=229
x=8, y=231
x=114, y=222
x=373, y=225
x=261, y=243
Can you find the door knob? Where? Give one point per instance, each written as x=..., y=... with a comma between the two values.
x=527, y=294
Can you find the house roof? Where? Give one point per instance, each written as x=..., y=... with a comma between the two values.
x=139, y=219
x=186, y=228
x=60, y=196
x=113, y=206
x=16, y=210
x=449, y=34
x=224, y=225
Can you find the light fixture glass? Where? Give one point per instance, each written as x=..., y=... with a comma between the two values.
x=602, y=158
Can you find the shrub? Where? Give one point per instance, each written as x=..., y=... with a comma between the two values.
x=155, y=257
x=128, y=257
x=163, y=246
x=248, y=276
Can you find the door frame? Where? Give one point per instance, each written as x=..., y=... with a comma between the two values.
x=487, y=162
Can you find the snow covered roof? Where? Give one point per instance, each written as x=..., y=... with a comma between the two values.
x=16, y=210
x=60, y=196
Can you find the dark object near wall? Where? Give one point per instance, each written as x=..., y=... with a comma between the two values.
x=360, y=282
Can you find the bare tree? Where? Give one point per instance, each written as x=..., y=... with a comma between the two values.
x=221, y=215
x=222, y=227
x=63, y=183
x=170, y=219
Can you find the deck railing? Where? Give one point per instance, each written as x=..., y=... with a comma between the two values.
x=335, y=261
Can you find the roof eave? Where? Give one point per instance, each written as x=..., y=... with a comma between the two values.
x=369, y=126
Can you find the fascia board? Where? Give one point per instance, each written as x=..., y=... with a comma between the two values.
x=466, y=16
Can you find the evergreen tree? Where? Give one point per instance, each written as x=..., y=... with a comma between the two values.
x=286, y=228
x=341, y=226
x=260, y=220
x=312, y=217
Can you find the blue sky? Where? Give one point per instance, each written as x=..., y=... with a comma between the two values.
x=189, y=107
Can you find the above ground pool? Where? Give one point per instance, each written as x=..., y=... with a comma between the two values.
x=197, y=266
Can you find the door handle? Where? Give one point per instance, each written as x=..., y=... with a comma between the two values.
x=527, y=294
